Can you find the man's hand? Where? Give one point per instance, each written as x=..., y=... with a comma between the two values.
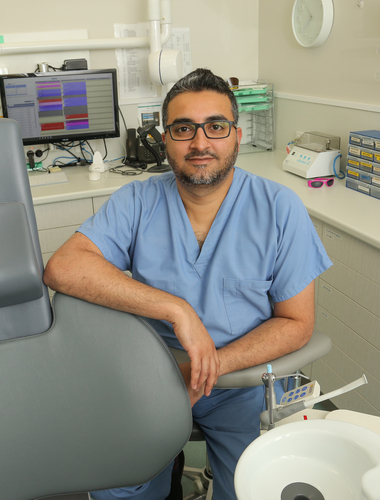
x=186, y=373
x=200, y=348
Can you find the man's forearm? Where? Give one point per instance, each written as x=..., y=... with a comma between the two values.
x=271, y=340
x=290, y=328
x=93, y=278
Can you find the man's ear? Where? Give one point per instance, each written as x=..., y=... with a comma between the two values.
x=163, y=137
x=239, y=135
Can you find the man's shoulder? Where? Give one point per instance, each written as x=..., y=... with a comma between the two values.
x=261, y=185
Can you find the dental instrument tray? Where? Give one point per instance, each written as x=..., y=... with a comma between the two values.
x=253, y=98
x=256, y=108
x=314, y=155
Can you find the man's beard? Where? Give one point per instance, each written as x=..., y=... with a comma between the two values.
x=204, y=176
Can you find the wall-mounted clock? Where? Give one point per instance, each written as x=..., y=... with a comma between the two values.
x=312, y=21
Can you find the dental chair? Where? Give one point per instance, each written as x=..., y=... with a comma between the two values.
x=90, y=398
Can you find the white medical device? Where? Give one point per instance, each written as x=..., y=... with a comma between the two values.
x=315, y=155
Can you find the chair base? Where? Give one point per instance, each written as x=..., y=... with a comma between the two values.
x=202, y=483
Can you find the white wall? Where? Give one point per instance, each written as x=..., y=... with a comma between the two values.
x=247, y=39
x=224, y=34
x=343, y=68
x=331, y=88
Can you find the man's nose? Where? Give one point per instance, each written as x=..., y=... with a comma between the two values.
x=200, y=139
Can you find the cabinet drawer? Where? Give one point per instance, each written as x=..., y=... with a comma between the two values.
x=318, y=227
x=363, y=258
x=346, y=368
x=52, y=239
x=354, y=285
x=346, y=360
x=98, y=201
x=318, y=224
x=352, y=344
x=329, y=380
x=356, y=317
x=65, y=213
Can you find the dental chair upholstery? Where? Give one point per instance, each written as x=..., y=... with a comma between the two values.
x=90, y=398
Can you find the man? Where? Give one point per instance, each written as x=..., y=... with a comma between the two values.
x=223, y=264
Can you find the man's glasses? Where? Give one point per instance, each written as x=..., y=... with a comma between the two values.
x=317, y=183
x=218, y=129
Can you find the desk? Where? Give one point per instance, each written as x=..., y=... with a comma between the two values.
x=348, y=295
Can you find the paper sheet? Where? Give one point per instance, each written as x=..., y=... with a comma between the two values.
x=133, y=71
x=180, y=40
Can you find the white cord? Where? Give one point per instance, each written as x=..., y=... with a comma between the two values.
x=349, y=387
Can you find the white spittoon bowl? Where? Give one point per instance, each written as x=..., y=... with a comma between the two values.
x=311, y=460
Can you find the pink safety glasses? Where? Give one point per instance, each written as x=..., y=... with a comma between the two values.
x=319, y=182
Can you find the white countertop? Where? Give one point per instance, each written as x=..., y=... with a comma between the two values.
x=347, y=210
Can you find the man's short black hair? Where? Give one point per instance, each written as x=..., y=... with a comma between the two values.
x=197, y=81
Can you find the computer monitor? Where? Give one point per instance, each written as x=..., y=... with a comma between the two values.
x=62, y=106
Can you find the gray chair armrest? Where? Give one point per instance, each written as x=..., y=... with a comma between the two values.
x=318, y=346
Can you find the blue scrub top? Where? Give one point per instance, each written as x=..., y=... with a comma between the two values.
x=262, y=247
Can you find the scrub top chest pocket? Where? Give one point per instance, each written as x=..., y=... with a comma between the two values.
x=247, y=303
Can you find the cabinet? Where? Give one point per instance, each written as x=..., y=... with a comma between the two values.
x=56, y=222
x=348, y=310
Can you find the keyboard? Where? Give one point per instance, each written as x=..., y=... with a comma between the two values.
x=46, y=179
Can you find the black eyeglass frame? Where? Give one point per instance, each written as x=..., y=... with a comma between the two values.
x=231, y=124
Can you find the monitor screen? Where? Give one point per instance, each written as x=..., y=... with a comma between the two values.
x=62, y=106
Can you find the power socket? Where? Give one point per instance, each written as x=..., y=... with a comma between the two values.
x=37, y=150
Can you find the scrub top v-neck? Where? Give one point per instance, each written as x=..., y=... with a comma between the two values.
x=201, y=257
